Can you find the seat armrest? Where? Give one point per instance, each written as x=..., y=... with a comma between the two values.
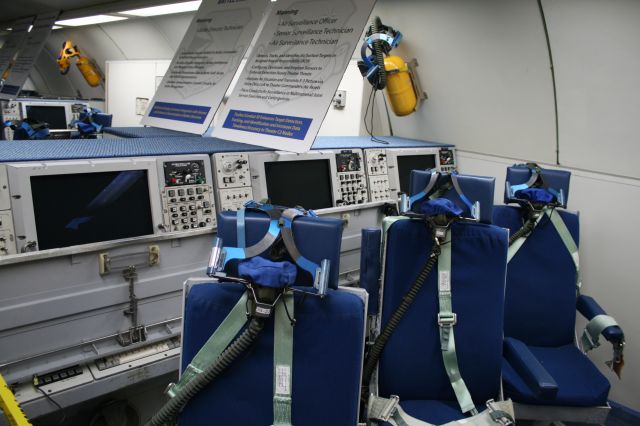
x=589, y=308
x=529, y=368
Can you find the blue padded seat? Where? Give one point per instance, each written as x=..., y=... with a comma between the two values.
x=327, y=360
x=541, y=294
x=411, y=364
x=436, y=412
x=580, y=383
x=316, y=238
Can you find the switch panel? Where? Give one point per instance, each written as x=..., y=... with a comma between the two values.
x=351, y=178
x=447, y=160
x=377, y=178
x=7, y=234
x=376, y=162
x=187, y=198
x=231, y=170
x=10, y=112
x=379, y=188
x=233, y=199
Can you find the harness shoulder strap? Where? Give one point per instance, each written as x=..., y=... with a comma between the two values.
x=568, y=241
x=446, y=321
x=283, y=362
x=217, y=343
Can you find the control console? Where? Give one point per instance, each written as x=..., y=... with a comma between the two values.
x=187, y=195
x=351, y=178
x=233, y=180
x=10, y=112
x=389, y=169
x=377, y=173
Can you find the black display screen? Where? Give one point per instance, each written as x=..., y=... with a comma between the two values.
x=54, y=116
x=406, y=163
x=299, y=183
x=87, y=208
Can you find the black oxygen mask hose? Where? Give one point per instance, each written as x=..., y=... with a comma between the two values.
x=526, y=229
x=169, y=412
x=376, y=26
x=407, y=300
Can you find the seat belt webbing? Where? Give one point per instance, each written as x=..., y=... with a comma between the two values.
x=446, y=322
x=282, y=362
x=217, y=343
x=568, y=241
x=513, y=248
x=240, y=228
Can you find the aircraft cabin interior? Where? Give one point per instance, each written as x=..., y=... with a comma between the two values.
x=319, y=212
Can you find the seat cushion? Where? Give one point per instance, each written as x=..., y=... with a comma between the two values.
x=327, y=361
x=580, y=383
x=411, y=364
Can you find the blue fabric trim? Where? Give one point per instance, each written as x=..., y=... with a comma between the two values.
x=233, y=253
x=240, y=224
x=307, y=265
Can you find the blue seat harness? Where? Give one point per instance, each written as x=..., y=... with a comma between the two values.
x=280, y=224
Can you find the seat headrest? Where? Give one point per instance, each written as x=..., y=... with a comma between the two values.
x=316, y=238
x=475, y=188
x=555, y=180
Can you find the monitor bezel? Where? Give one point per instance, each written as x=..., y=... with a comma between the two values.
x=392, y=163
x=259, y=176
x=66, y=105
x=22, y=198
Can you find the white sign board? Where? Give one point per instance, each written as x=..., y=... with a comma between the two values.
x=27, y=55
x=206, y=61
x=12, y=46
x=290, y=78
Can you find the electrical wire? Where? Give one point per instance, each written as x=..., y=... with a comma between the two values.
x=47, y=396
x=372, y=95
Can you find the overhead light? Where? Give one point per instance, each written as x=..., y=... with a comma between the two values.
x=167, y=9
x=56, y=27
x=90, y=20
x=30, y=28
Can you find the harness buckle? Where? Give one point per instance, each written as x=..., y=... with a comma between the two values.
x=498, y=415
x=447, y=320
x=384, y=408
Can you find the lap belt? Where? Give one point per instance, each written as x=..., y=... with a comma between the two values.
x=389, y=410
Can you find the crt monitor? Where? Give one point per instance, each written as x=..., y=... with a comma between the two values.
x=299, y=183
x=105, y=206
x=54, y=115
x=406, y=163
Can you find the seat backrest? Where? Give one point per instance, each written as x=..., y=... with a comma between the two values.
x=328, y=340
x=411, y=364
x=555, y=179
x=316, y=238
x=475, y=188
x=541, y=281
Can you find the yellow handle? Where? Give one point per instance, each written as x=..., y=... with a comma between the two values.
x=10, y=407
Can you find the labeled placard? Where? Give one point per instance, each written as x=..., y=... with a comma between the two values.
x=204, y=65
x=11, y=47
x=27, y=55
x=287, y=86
